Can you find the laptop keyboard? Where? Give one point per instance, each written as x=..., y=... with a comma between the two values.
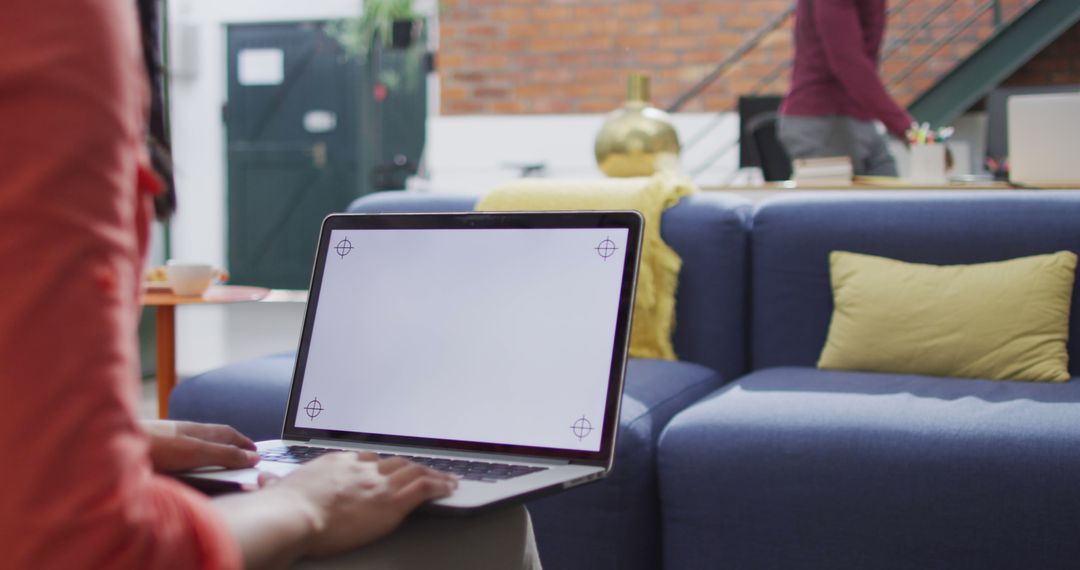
x=469, y=470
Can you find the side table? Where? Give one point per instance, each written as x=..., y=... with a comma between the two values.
x=165, y=303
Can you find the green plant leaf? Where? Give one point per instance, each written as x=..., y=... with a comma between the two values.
x=356, y=35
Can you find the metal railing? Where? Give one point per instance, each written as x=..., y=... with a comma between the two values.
x=941, y=42
x=744, y=48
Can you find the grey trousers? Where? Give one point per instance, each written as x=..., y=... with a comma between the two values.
x=492, y=541
x=836, y=135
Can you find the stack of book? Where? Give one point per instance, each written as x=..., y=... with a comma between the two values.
x=827, y=171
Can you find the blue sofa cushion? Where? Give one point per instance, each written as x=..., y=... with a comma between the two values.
x=709, y=230
x=805, y=468
x=792, y=238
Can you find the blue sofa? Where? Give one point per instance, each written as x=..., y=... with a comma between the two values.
x=745, y=455
x=614, y=523
x=789, y=466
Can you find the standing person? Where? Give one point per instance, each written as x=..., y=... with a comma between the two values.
x=836, y=93
x=83, y=484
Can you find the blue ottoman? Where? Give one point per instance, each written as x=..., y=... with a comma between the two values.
x=250, y=396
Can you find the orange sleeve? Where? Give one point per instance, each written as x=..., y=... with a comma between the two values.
x=77, y=489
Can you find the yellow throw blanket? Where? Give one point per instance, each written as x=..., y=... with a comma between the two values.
x=654, y=307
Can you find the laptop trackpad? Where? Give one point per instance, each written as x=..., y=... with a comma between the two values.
x=245, y=478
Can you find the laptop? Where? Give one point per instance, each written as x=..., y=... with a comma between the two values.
x=1044, y=140
x=489, y=345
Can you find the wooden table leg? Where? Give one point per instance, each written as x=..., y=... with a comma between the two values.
x=166, y=356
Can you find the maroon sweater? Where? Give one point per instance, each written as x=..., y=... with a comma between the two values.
x=837, y=45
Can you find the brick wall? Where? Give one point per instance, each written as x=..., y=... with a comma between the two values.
x=1057, y=64
x=572, y=56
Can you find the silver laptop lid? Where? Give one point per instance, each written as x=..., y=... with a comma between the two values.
x=490, y=332
x=1043, y=137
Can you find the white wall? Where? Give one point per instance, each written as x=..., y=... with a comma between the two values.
x=472, y=154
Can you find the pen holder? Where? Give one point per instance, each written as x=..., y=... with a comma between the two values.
x=928, y=163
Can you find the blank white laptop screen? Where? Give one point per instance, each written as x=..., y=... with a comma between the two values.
x=498, y=336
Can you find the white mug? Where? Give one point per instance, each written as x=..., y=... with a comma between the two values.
x=189, y=279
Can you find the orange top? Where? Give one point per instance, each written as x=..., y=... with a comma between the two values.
x=77, y=489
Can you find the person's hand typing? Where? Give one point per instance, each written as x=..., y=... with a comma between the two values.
x=354, y=499
x=181, y=446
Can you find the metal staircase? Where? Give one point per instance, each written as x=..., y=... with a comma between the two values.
x=1006, y=51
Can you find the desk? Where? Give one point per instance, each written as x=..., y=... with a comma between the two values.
x=166, y=303
x=761, y=192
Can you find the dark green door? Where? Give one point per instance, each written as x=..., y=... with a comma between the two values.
x=292, y=123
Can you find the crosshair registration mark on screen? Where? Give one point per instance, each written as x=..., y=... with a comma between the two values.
x=343, y=247
x=606, y=248
x=581, y=428
x=313, y=408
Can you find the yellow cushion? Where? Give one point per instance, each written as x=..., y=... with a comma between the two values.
x=1006, y=320
x=654, y=306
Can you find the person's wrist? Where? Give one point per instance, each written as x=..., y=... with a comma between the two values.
x=300, y=507
x=274, y=526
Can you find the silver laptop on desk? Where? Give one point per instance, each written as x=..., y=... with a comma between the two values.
x=490, y=345
x=1044, y=140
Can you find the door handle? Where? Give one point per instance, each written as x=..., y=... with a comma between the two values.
x=318, y=155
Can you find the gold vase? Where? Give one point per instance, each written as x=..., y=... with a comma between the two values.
x=636, y=140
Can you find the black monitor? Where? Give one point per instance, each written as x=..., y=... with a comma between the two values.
x=758, y=141
x=749, y=107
